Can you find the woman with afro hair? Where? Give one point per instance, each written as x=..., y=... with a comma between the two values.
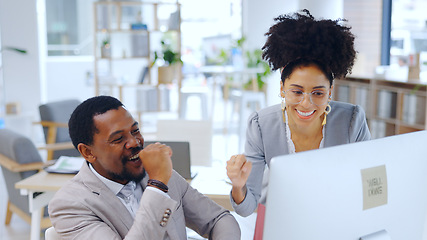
x=309, y=53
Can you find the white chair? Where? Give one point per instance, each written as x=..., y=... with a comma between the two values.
x=152, y=99
x=51, y=234
x=198, y=133
x=200, y=92
x=244, y=98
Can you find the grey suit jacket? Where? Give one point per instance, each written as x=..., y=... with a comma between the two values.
x=85, y=208
x=266, y=138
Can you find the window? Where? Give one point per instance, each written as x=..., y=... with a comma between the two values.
x=69, y=25
x=408, y=33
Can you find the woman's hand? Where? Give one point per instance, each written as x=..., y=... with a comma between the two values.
x=238, y=170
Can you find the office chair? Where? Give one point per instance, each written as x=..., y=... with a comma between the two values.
x=51, y=234
x=19, y=159
x=54, y=119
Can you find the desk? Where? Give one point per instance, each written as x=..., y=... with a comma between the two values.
x=211, y=181
x=41, y=187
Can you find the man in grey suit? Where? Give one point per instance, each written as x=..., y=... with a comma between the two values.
x=159, y=203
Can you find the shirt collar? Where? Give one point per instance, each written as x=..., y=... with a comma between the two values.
x=115, y=187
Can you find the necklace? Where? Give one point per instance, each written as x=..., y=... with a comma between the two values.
x=291, y=145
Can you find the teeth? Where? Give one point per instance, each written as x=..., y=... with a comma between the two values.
x=134, y=157
x=305, y=114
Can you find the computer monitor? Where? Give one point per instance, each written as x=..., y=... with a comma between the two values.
x=367, y=190
x=180, y=158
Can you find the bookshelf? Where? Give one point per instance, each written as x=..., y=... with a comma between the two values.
x=392, y=107
x=128, y=33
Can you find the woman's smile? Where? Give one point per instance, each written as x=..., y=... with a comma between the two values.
x=305, y=115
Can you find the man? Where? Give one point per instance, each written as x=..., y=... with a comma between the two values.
x=95, y=205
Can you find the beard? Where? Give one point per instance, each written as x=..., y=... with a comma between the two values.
x=125, y=174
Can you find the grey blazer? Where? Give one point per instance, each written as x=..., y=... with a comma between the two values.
x=85, y=208
x=266, y=138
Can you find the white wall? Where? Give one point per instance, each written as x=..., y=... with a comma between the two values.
x=258, y=16
x=330, y=9
x=21, y=73
x=66, y=77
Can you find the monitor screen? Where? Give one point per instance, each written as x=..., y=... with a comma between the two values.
x=367, y=190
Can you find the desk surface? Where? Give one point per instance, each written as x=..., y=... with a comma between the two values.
x=209, y=181
x=44, y=181
x=228, y=70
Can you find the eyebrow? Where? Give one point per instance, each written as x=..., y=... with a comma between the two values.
x=316, y=87
x=119, y=131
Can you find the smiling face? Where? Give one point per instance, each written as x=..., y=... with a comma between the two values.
x=115, y=148
x=302, y=81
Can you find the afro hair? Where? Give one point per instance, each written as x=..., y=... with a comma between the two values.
x=300, y=38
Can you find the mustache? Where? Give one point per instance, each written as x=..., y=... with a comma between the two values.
x=136, y=150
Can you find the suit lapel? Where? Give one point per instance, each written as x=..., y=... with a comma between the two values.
x=106, y=200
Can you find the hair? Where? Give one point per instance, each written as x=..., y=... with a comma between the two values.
x=300, y=40
x=81, y=125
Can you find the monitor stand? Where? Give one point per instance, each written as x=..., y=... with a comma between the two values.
x=380, y=235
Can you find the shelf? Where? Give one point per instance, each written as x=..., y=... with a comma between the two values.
x=391, y=107
x=133, y=31
x=117, y=45
x=119, y=58
x=105, y=31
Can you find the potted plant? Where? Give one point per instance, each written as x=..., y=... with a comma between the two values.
x=14, y=49
x=171, y=61
x=105, y=48
x=254, y=60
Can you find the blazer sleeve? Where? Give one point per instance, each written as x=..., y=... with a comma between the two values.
x=75, y=219
x=203, y=215
x=152, y=216
x=254, y=152
x=359, y=130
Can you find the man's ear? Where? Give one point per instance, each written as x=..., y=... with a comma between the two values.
x=86, y=152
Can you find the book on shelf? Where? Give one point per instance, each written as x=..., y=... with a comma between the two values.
x=362, y=97
x=386, y=106
x=409, y=108
x=173, y=23
x=420, y=110
x=138, y=26
x=413, y=109
x=343, y=94
x=140, y=45
x=377, y=129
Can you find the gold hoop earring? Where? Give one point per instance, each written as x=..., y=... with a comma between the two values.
x=283, y=109
x=327, y=111
x=283, y=104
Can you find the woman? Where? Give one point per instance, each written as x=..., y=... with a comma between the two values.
x=310, y=53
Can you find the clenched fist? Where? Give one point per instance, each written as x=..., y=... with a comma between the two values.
x=238, y=170
x=156, y=159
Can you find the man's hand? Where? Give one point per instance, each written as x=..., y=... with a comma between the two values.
x=156, y=159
